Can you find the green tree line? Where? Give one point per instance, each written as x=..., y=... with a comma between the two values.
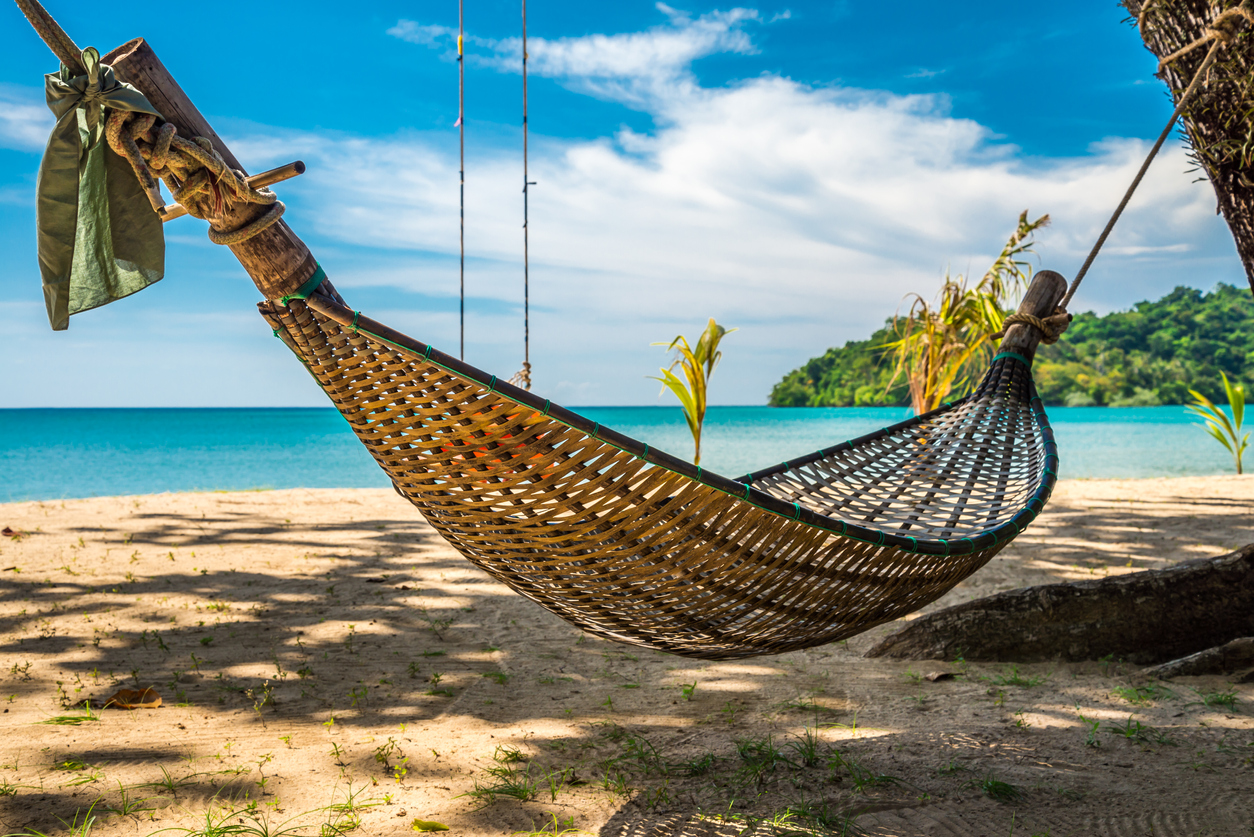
x=1152, y=354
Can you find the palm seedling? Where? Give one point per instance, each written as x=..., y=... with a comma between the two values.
x=942, y=346
x=1217, y=423
x=697, y=365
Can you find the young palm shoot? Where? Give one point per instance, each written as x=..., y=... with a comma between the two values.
x=943, y=346
x=1217, y=424
x=697, y=365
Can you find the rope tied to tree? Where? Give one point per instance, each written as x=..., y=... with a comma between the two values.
x=1221, y=29
x=193, y=171
x=1051, y=327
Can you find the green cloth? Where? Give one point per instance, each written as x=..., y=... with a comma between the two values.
x=99, y=238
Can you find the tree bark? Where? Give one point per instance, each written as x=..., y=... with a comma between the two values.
x=1226, y=659
x=1220, y=120
x=1144, y=617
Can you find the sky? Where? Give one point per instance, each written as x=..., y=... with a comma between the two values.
x=792, y=169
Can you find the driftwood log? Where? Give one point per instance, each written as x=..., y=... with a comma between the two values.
x=1144, y=618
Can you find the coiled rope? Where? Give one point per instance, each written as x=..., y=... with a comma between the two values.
x=195, y=173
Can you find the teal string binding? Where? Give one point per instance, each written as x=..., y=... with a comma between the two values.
x=303, y=292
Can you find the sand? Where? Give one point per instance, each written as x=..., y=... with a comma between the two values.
x=324, y=656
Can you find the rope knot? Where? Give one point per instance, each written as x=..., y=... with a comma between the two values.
x=195, y=174
x=1050, y=328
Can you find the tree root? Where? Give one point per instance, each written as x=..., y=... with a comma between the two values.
x=1144, y=618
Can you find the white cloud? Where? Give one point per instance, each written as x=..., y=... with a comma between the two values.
x=25, y=122
x=635, y=68
x=425, y=35
x=803, y=215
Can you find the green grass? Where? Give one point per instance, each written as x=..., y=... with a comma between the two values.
x=1143, y=695
x=74, y=720
x=1226, y=699
x=1012, y=677
x=997, y=790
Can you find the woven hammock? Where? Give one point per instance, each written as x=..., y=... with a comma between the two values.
x=638, y=546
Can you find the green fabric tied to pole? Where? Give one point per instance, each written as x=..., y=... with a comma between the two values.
x=99, y=238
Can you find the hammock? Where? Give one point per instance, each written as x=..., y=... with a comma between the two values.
x=635, y=545
x=622, y=540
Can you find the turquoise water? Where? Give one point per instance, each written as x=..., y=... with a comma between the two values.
x=49, y=454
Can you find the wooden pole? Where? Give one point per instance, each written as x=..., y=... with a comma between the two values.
x=276, y=259
x=1041, y=300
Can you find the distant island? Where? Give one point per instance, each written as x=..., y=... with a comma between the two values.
x=1150, y=355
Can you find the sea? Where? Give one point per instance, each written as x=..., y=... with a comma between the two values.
x=48, y=454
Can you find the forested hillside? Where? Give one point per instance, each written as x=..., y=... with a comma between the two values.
x=1150, y=355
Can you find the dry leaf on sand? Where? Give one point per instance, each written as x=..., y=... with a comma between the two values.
x=133, y=699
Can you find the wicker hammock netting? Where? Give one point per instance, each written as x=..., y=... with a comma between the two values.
x=635, y=545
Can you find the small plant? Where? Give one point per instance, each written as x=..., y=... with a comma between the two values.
x=499, y=677
x=127, y=805
x=861, y=777
x=997, y=790
x=358, y=695
x=806, y=748
x=509, y=755
x=698, y=365
x=696, y=767
x=1012, y=677
x=384, y=753
x=1091, y=740
x=1142, y=695
x=435, y=689
x=80, y=826
x=553, y=828
x=1227, y=699
x=759, y=758
x=1228, y=433
x=74, y=720
x=168, y=782
x=688, y=689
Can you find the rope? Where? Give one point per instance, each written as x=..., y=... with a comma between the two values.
x=1136, y=181
x=1051, y=327
x=195, y=173
x=1214, y=32
x=524, y=375
x=522, y=378
x=461, y=144
x=54, y=36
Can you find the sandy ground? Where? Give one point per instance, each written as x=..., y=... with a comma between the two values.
x=327, y=662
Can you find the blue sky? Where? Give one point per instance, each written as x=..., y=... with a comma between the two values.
x=793, y=169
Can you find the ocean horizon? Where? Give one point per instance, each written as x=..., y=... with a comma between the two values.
x=64, y=453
